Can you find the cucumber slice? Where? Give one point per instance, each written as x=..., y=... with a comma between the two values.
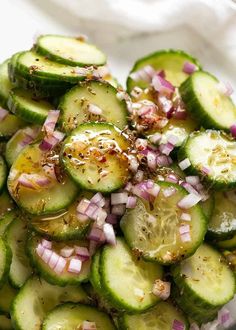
x=161, y=317
x=7, y=294
x=3, y=173
x=160, y=240
x=71, y=51
x=223, y=222
x=9, y=126
x=208, y=207
x=36, y=298
x=47, y=199
x=123, y=276
x=205, y=278
x=5, y=323
x=94, y=155
x=228, y=244
x=5, y=261
x=212, y=155
x=26, y=106
x=17, y=143
x=74, y=105
x=6, y=219
x=49, y=274
x=64, y=225
x=95, y=277
x=5, y=84
x=6, y=203
x=16, y=235
x=71, y=316
x=171, y=61
x=206, y=103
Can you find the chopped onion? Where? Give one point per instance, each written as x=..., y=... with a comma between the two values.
x=46, y=244
x=39, y=250
x=93, y=245
x=189, y=188
x=3, y=114
x=185, y=163
x=92, y=211
x=189, y=67
x=205, y=170
x=95, y=110
x=101, y=217
x=180, y=114
x=138, y=177
x=129, y=186
x=98, y=199
x=155, y=138
x=49, y=170
x=49, y=142
x=224, y=317
x=189, y=201
x=53, y=260
x=50, y=122
x=154, y=191
x=225, y=88
x=141, y=144
x=161, y=289
x=133, y=163
x=151, y=160
x=33, y=181
x=96, y=234
x=83, y=206
x=166, y=148
x=46, y=255
x=173, y=139
x=172, y=178
x=139, y=293
x=82, y=217
x=86, y=325
x=109, y=234
x=60, y=266
x=193, y=180
x=82, y=252
x=178, y=325
x=169, y=191
x=136, y=92
x=119, y=198
x=66, y=251
x=162, y=160
x=185, y=217
x=166, y=104
x=118, y=209
x=194, y=326
x=131, y=202
x=162, y=85
x=183, y=229
x=233, y=130
x=75, y=266
x=146, y=74
x=185, y=237
x=112, y=219
x=140, y=190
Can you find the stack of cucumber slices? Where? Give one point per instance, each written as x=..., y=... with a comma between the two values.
x=117, y=208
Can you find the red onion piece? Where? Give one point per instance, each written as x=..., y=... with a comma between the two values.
x=133, y=163
x=3, y=114
x=138, y=177
x=53, y=260
x=82, y=252
x=172, y=178
x=183, y=229
x=75, y=266
x=86, y=325
x=46, y=244
x=141, y=144
x=112, y=219
x=162, y=160
x=118, y=209
x=60, y=266
x=50, y=122
x=180, y=114
x=131, y=202
x=224, y=317
x=189, y=67
x=66, y=251
x=162, y=85
x=233, y=130
x=140, y=190
x=98, y=199
x=185, y=217
x=185, y=237
x=96, y=234
x=119, y=198
x=189, y=201
x=166, y=148
x=46, y=255
x=185, y=163
x=155, y=138
x=95, y=110
x=146, y=73
x=49, y=142
x=83, y=206
x=173, y=139
x=189, y=188
x=168, y=192
x=92, y=211
x=136, y=92
x=193, y=180
x=165, y=104
x=225, y=88
x=40, y=250
x=205, y=170
x=129, y=186
x=33, y=181
x=109, y=234
x=194, y=326
x=154, y=191
x=178, y=325
x=151, y=160
x=161, y=289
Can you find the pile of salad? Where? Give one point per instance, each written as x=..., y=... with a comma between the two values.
x=117, y=207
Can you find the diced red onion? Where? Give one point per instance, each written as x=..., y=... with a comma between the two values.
x=155, y=138
x=162, y=85
x=33, y=180
x=86, y=325
x=109, y=234
x=194, y=326
x=95, y=110
x=136, y=92
x=75, y=266
x=83, y=206
x=98, y=199
x=92, y=210
x=151, y=218
x=172, y=178
x=60, y=266
x=112, y=219
x=50, y=141
x=141, y=144
x=140, y=190
x=225, y=88
x=185, y=163
x=189, y=188
x=46, y=255
x=82, y=252
x=162, y=160
x=193, y=180
x=185, y=237
x=93, y=245
x=233, y=130
x=67, y=251
x=3, y=114
x=151, y=160
x=133, y=163
x=46, y=244
x=205, y=170
x=95, y=234
x=224, y=317
x=189, y=201
x=50, y=122
x=147, y=109
x=53, y=260
x=101, y=217
x=25, y=182
x=161, y=289
x=173, y=139
x=185, y=217
x=183, y=229
x=119, y=198
x=169, y=191
x=39, y=250
x=166, y=148
x=178, y=325
x=180, y=114
x=131, y=202
x=138, y=177
x=82, y=217
x=166, y=104
x=146, y=73
x=129, y=186
x=189, y=67
x=149, y=184
x=26, y=140
x=118, y=209
x=154, y=191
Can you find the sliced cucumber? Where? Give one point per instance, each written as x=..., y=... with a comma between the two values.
x=160, y=317
x=50, y=198
x=74, y=105
x=9, y=126
x=95, y=277
x=18, y=142
x=5, y=261
x=223, y=221
x=24, y=104
x=64, y=225
x=94, y=155
x=171, y=61
x=71, y=316
x=37, y=298
x=212, y=155
x=208, y=207
x=205, y=278
x=123, y=277
x=160, y=240
x=6, y=219
x=68, y=50
x=7, y=294
x=6, y=203
x=228, y=244
x=3, y=173
x=5, y=84
x=211, y=108
x=49, y=274
x=5, y=323
x=16, y=235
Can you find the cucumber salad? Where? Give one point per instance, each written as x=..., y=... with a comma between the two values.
x=117, y=206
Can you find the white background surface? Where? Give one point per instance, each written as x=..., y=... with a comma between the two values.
x=128, y=29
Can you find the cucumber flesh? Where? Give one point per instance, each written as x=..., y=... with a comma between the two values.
x=16, y=235
x=228, y=244
x=6, y=219
x=9, y=126
x=36, y=298
x=160, y=240
x=71, y=51
x=5, y=323
x=7, y=294
x=74, y=105
x=94, y=155
x=123, y=276
x=50, y=198
x=3, y=173
x=5, y=84
x=208, y=207
x=6, y=203
x=71, y=316
x=5, y=261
